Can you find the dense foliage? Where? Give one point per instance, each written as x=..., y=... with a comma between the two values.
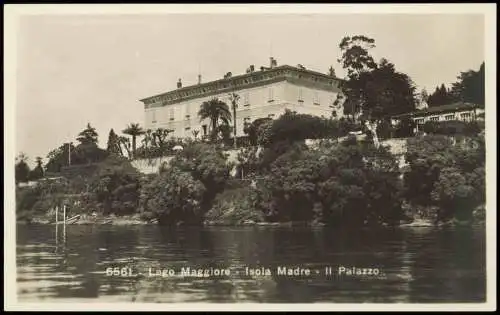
x=22, y=169
x=86, y=152
x=253, y=129
x=441, y=96
x=375, y=90
x=349, y=184
x=115, y=186
x=111, y=187
x=469, y=88
x=216, y=111
x=235, y=205
x=186, y=187
x=446, y=174
x=37, y=200
x=453, y=127
x=294, y=127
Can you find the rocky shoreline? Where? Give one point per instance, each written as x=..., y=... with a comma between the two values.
x=134, y=220
x=413, y=220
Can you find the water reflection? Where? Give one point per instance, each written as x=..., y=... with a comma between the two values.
x=416, y=265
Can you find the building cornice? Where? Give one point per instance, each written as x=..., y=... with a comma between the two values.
x=249, y=80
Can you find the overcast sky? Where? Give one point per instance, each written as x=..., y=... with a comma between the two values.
x=72, y=70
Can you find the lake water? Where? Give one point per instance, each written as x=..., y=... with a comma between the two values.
x=413, y=265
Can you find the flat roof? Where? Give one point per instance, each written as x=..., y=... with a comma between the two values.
x=232, y=79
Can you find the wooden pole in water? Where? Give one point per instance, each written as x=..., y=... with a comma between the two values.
x=57, y=226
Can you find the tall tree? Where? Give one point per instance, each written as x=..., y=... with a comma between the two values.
x=441, y=96
x=60, y=157
x=22, y=169
x=113, y=145
x=470, y=86
x=234, y=104
x=87, y=151
x=375, y=91
x=355, y=56
x=38, y=171
x=424, y=96
x=214, y=110
x=133, y=130
x=88, y=135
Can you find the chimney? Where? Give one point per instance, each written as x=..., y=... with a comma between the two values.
x=271, y=59
x=274, y=63
x=252, y=68
x=179, y=84
x=199, y=78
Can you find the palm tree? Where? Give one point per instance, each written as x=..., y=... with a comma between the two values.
x=234, y=103
x=214, y=110
x=133, y=130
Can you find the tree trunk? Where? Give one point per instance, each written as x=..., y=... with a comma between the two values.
x=214, y=130
x=372, y=127
x=120, y=147
x=234, y=119
x=133, y=147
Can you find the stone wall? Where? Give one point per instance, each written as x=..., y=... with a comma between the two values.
x=150, y=166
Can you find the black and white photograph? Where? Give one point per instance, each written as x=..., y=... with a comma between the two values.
x=228, y=157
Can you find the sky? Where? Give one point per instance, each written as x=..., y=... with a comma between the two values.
x=79, y=69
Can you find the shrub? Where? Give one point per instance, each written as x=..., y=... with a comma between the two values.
x=235, y=206
x=347, y=184
x=252, y=129
x=185, y=190
x=385, y=129
x=174, y=196
x=248, y=161
x=454, y=195
x=298, y=127
x=446, y=174
x=453, y=127
x=115, y=186
x=405, y=128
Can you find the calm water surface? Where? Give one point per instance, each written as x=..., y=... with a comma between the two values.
x=417, y=265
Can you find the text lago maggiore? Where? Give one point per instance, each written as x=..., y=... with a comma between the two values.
x=262, y=271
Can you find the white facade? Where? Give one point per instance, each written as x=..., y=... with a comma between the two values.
x=458, y=111
x=463, y=115
x=262, y=94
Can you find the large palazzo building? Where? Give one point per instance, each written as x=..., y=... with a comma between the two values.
x=266, y=92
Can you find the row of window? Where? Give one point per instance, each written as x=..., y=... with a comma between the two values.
x=246, y=103
x=463, y=116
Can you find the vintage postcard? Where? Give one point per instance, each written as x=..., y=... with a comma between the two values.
x=287, y=156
